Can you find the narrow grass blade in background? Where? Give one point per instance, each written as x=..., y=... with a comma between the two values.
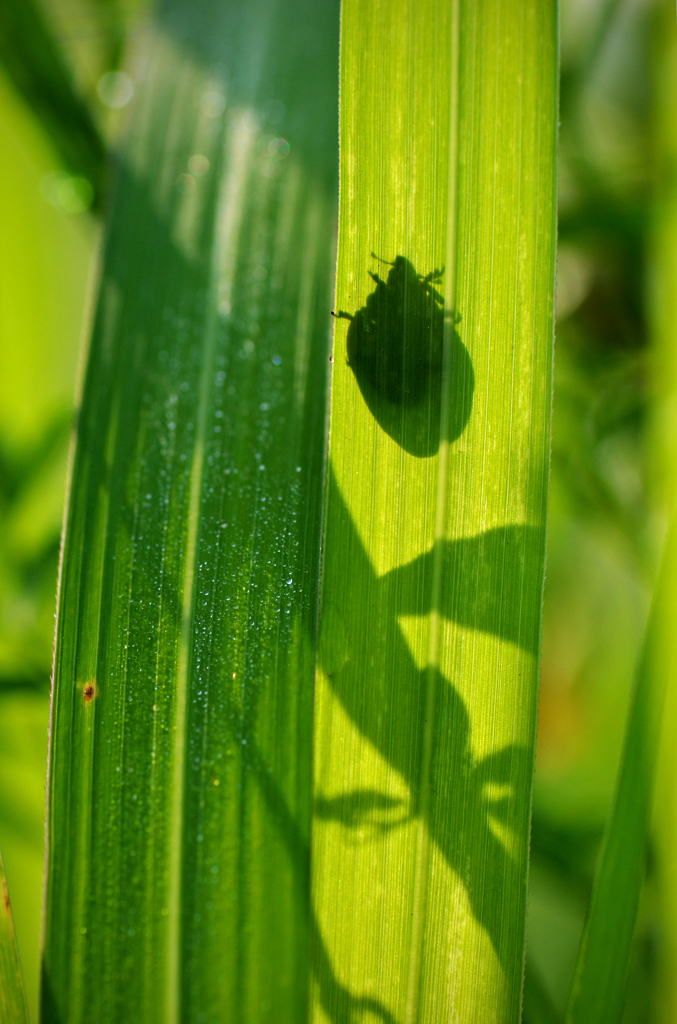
x=435, y=538
x=601, y=970
x=34, y=63
x=180, y=759
x=12, y=999
x=662, y=293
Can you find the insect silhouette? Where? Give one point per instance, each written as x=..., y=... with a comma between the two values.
x=395, y=348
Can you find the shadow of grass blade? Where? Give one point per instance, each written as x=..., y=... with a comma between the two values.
x=12, y=998
x=435, y=537
x=180, y=778
x=599, y=984
x=34, y=63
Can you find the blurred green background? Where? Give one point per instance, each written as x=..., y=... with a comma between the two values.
x=614, y=439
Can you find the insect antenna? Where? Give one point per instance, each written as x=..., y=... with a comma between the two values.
x=434, y=275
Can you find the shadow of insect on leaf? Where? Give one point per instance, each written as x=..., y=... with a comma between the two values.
x=395, y=348
x=340, y=1005
x=477, y=802
x=365, y=810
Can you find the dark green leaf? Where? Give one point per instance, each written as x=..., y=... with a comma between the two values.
x=180, y=766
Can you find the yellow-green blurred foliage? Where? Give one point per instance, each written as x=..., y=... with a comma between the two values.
x=48, y=247
x=613, y=434
x=662, y=310
x=606, y=525
x=45, y=258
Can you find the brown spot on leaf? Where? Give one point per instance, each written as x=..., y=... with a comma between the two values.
x=8, y=909
x=89, y=691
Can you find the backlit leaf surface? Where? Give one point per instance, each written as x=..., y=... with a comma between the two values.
x=437, y=488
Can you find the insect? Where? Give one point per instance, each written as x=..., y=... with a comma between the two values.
x=395, y=346
x=395, y=340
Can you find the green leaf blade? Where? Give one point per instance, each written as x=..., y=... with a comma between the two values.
x=180, y=780
x=436, y=509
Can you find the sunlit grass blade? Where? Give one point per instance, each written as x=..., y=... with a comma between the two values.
x=600, y=978
x=435, y=537
x=12, y=998
x=180, y=761
x=662, y=448
x=33, y=61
